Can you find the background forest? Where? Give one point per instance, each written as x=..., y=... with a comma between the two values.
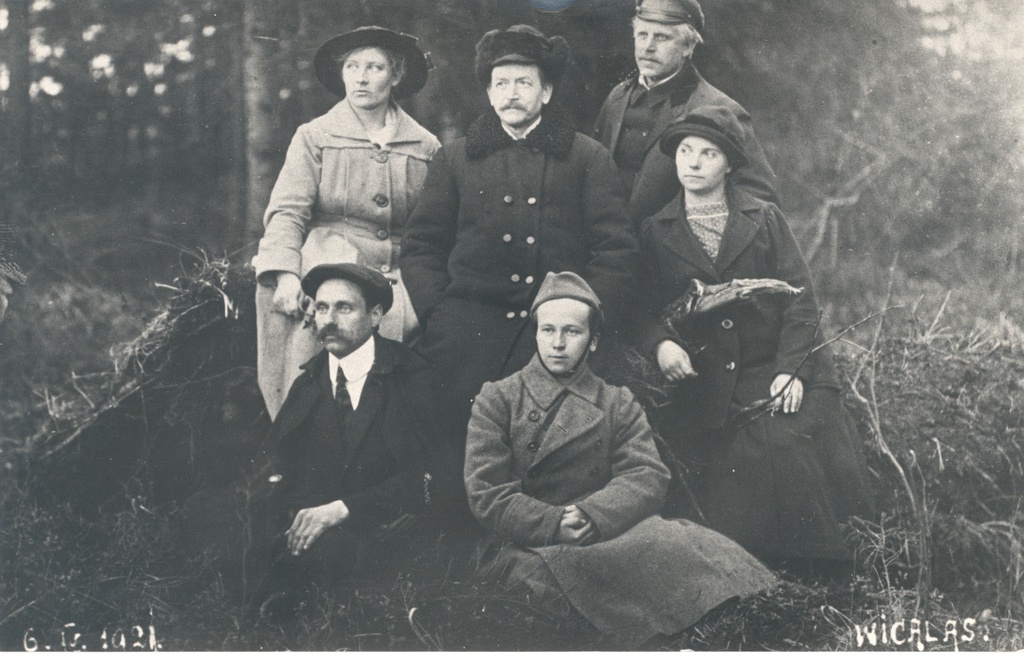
x=140, y=142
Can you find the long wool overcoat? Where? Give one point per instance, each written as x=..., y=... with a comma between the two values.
x=339, y=198
x=536, y=444
x=494, y=218
x=656, y=183
x=779, y=484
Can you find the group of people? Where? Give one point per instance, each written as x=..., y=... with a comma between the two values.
x=428, y=316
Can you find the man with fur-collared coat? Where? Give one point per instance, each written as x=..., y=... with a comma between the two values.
x=521, y=195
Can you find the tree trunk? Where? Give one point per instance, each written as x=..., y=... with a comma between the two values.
x=16, y=159
x=259, y=76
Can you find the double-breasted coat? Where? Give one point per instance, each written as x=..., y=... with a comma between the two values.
x=339, y=198
x=494, y=218
x=537, y=444
x=779, y=484
x=655, y=183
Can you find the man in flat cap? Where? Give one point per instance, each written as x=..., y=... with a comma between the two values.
x=666, y=87
x=357, y=460
x=521, y=195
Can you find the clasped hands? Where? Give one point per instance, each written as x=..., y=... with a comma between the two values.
x=575, y=527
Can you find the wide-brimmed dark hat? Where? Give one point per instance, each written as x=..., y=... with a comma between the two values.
x=521, y=44
x=375, y=286
x=715, y=124
x=672, y=12
x=417, y=64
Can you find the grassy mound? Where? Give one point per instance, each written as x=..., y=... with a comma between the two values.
x=105, y=525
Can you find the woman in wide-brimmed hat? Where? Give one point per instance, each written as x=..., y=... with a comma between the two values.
x=350, y=179
x=778, y=464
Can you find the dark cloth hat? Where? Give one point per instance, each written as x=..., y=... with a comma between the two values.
x=560, y=285
x=521, y=44
x=716, y=124
x=417, y=64
x=672, y=12
x=375, y=286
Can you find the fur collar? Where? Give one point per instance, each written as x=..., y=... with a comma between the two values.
x=554, y=135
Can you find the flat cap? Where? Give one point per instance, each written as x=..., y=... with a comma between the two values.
x=672, y=12
x=565, y=285
x=375, y=286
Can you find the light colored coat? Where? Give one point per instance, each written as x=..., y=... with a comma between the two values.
x=338, y=198
x=536, y=445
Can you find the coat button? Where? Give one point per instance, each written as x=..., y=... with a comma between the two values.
x=533, y=415
x=529, y=279
x=507, y=237
x=524, y=313
x=532, y=201
x=508, y=199
x=510, y=315
x=385, y=268
x=532, y=447
x=382, y=233
x=727, y=324
x=530, y=240
x=731, y=366
x=380, y=156
x=515, y=278
x=380, y=199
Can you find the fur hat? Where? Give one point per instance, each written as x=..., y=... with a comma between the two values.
x=521, y=44
x=561, y=285
x=375, y=286
x=417, y=64
x=716, y=124
x=672, y=12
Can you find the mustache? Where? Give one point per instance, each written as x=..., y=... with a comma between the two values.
x=513, y=105
x=326, y=331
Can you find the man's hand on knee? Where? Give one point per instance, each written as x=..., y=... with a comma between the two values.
x=310, y=523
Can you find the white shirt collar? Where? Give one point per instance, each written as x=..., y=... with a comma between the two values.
x=522, y=135
x=646, y=84
x=356, y=365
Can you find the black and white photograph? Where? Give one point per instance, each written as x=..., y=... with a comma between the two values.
x=511, y=325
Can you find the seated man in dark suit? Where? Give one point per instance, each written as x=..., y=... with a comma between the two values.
x=358, y=463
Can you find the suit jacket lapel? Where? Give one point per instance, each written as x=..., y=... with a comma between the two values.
x=679, y=237
x=359, y=421
x=741, y=227
x=574, y=419
x=301, y=398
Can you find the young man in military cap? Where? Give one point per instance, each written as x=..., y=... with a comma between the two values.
x=665, y=87
x=357, y=459
x=522, y=194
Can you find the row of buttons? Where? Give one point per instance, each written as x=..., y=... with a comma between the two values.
x=516, y=278
x=512, y=314
x=530, y=200
x=508, y=238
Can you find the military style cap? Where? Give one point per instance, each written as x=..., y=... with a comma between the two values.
x=562, y=285
x=417, y=64
x=521, y=44
x=672, y=12
x=717, y=124
x=375, y=286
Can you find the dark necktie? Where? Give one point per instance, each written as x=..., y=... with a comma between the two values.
x=341, y=393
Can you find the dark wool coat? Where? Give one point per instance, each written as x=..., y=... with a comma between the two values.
x=495, y=216
x=779, y=484
x=387, y=459
x=736, y=350
x=656, y=182
x=535, y=445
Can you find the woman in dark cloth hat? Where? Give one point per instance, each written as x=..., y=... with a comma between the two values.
x=756, y=410
x=350, y=179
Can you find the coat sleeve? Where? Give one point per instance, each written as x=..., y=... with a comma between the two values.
x=757, y=176
x=430, y=236
x=801, y=319
x=495, y=492
x=611, y=271
x=601, y=128
x=286, y=220
x=639, y=478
